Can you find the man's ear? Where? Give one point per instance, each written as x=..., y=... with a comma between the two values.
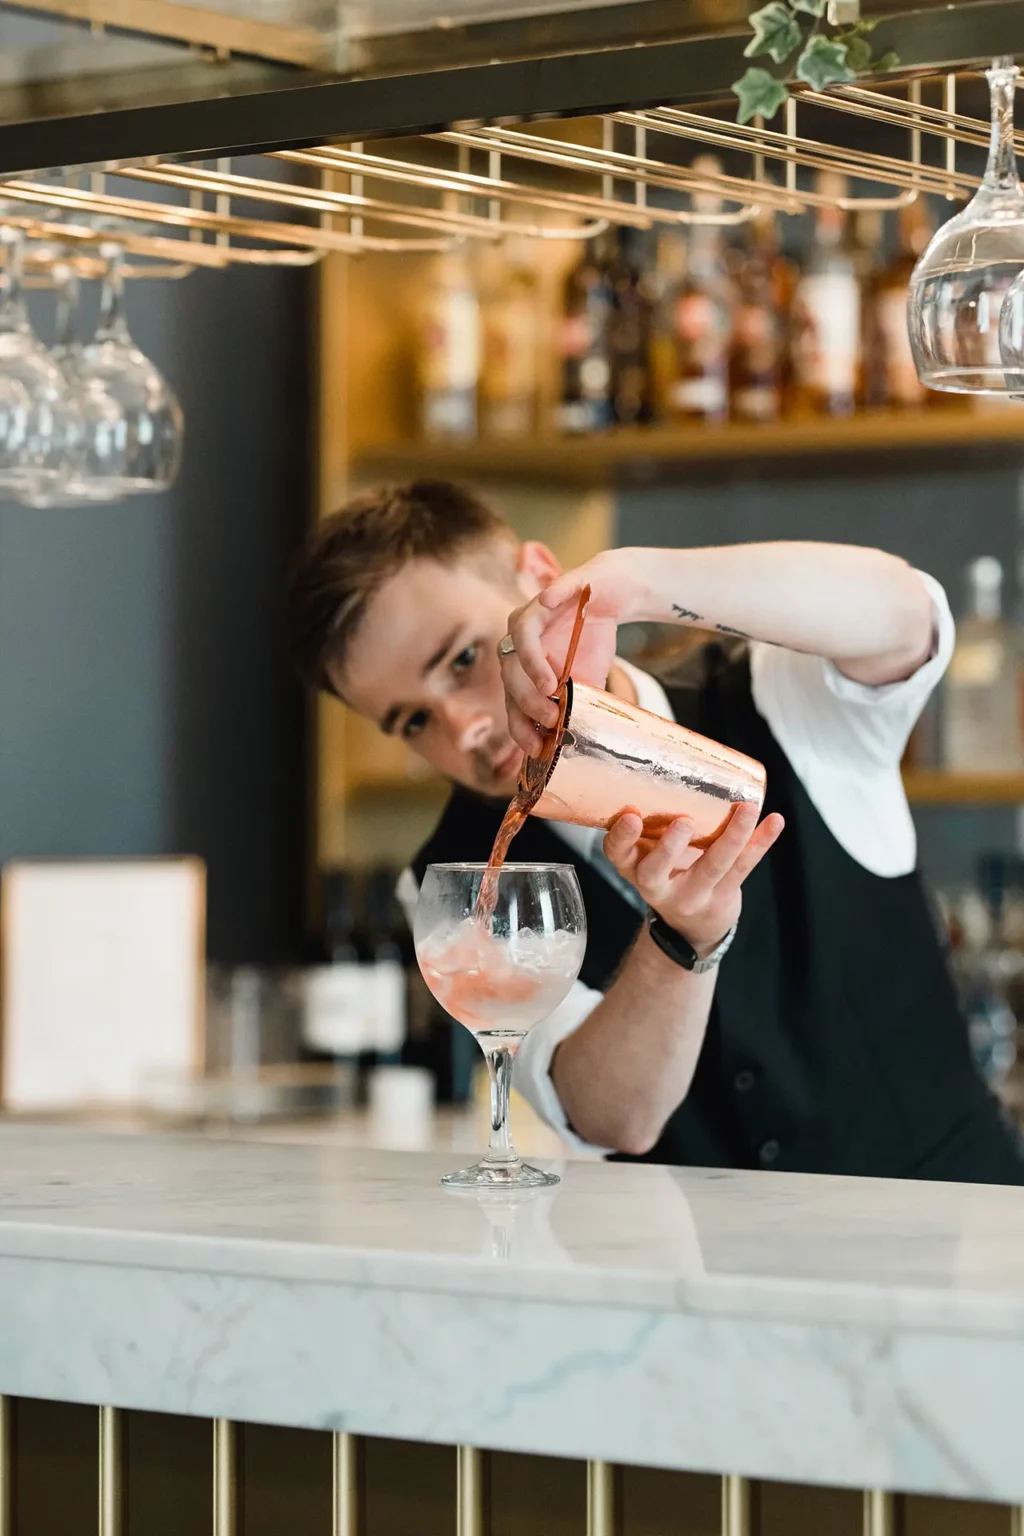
x=536, y=567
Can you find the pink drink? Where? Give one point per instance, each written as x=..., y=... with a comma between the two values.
x=499, y=986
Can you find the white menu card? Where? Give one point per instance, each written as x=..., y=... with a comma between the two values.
x=101, y=978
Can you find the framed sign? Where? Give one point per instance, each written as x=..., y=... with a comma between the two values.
x=102, y=978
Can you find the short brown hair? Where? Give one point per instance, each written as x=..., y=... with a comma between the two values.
x=352, y=554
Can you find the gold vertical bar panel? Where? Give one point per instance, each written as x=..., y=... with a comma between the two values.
x=111, y=1472
x=225, y=1477
x=6, y=1466
x=347, y=1485
x=471, y=1492
x=602, y=1498
x=736, y=1504
x=1017, y=1520
x=879, y=1513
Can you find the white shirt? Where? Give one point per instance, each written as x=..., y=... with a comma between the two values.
x=844, y=741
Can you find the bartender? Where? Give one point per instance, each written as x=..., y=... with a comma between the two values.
x=781, y=1000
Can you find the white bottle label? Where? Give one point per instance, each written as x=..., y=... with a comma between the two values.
x=338, y=1009
x=387, y=984
x=830, y=346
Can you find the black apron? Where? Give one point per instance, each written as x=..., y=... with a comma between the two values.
x=835, y=1042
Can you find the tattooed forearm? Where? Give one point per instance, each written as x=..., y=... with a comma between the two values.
x=727, y=629
x=687, y=613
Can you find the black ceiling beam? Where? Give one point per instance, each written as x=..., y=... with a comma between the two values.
x=568, y=84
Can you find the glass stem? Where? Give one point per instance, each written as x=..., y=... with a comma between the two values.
x=67, y=307
x=1001, y=170
x=500, y=1151
x=113, y=326
x=13, y=316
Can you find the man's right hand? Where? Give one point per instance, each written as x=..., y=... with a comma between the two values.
x=697, y=892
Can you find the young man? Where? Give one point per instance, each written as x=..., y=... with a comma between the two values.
x=828, y=1039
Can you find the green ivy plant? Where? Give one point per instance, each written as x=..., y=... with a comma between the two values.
x=825, y=54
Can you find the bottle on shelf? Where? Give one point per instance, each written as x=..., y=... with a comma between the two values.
x=450, y=349
x=629, y=332
x=585, y=401
x=981, y=713
x=336, y=1001
x=387, y=980
x=510, y=374
x=900, y=385
x=696, y=319
x=757, y=356
x=826, y=313
x=868, y=234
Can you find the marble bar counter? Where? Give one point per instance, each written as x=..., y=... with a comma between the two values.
x=851, y=1333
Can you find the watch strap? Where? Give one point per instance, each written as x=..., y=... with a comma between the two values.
x=681, y=951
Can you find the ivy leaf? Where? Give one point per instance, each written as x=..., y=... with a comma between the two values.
x=823, y=62
x=776, y=32
x=809, y=7
x=858, y=53
x=888, y=61
x=759, y=93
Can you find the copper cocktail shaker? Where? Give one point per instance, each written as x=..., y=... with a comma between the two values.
x=607, y=756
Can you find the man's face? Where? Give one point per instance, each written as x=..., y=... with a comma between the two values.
x=423, y=664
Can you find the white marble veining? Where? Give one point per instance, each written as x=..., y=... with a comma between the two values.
x=832, y=1330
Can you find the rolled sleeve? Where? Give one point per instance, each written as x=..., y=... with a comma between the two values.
x=845, y=740
x=532, y=1072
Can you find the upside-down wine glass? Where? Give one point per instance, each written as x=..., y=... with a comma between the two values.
x=959, y=288
x=141, y=451
x=499, y=973
x=39, y=422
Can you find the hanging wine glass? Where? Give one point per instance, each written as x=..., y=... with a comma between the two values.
x=97, y=411
x=958, y=288
x=141, y=449
x=39, y=424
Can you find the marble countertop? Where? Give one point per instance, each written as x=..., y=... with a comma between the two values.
x=843, y=1331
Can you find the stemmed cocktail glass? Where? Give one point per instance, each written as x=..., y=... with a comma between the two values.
x=500, y=965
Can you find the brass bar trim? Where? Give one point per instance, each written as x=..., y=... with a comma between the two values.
x=472, y=1515
x=879, y=1512
x=219, y=30
x=736, y=1506
x=1017, y=1520
x=111, y=1472
x=602, y=1498
x=225, y=1477
x=346, y=1492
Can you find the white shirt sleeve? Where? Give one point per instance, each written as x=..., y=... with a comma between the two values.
x=844, y=740
x=532, y=1072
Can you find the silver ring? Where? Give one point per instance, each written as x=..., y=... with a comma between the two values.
x=507, y=647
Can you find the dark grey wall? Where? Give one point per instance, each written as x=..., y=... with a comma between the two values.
x=145, y=705
x=938, y=513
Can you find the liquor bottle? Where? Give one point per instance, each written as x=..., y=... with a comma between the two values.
x=868, y=231
x=759, y=328
x=902, y=387
x=336, y=1001
x=629, y=333
x=387, y=982
x=510, y=376
x=667, y=280
x=701, y=308
x=981, y=714
x=585, y=403
x=826, y=314
x=450, y=349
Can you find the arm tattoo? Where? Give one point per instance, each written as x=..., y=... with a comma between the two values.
x=727, y=629
x=687, y=613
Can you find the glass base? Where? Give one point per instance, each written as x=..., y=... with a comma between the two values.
x=485, y=1175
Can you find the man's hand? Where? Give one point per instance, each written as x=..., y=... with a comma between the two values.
x=540, y=633
x=699, y=894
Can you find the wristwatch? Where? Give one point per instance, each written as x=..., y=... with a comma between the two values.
x=681, y=951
